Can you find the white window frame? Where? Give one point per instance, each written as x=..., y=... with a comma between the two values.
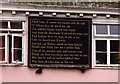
x=99, y=35
x=6, y=56
x=17, y=35
x=106, y=37
x=7, y=43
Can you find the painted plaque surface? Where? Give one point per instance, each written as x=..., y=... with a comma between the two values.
x=59, y=42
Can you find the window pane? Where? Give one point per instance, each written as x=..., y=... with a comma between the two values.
x=17, y=42
x=115, y=29
x=101, y=58
x=10, y=50
x=115, y=58
x=4, y=25
x=2, y=54
x=18, y=32
x=16, y=25
x=17, y=55
x=2, y=41
x=101, y=45
x=101, y=29
x=3, y=31
x=115, y=45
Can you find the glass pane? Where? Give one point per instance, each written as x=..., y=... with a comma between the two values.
x=101, y=29
x=3, y=31
x=2, y=54
x=18, y=32
x=10, y=50
x=17, y=55
x=17, y=42
x=2, y=41
x=115, y=45
x=101, y=58
x=4, y=25
x=101, y=45
x=115, y=29
x=16, y=25
x=115, y=58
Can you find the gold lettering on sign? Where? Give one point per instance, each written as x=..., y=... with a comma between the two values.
x=56, y=41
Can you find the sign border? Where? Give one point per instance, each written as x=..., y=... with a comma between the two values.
x=72, y=66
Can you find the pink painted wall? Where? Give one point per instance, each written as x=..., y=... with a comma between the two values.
x=25, y=74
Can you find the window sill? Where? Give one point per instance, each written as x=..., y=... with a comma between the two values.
x=107, y=67
x=7, y=29
x=12, y=64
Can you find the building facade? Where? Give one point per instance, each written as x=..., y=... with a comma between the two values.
x=105, y=46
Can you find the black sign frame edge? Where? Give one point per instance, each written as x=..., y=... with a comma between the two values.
x=76, y=18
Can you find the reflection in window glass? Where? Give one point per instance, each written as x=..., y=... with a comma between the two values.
x=17, y=54
x=101, y=45
x=17, y=48
x=115, y=29
x=114, y=45
x=2, y=48
x=16, y=25
x=2, y=41
x=17, y=42
x=101, y=51
x=101, y=29
x=114, y=58
x=2, y=54
x=101, y=58
x=3, y=25
x=115, y=51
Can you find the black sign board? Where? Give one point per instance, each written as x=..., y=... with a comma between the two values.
x=57, y=42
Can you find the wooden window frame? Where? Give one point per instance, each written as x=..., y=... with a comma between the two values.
x=9, y=29
x=108, y=38
x=6, y=56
